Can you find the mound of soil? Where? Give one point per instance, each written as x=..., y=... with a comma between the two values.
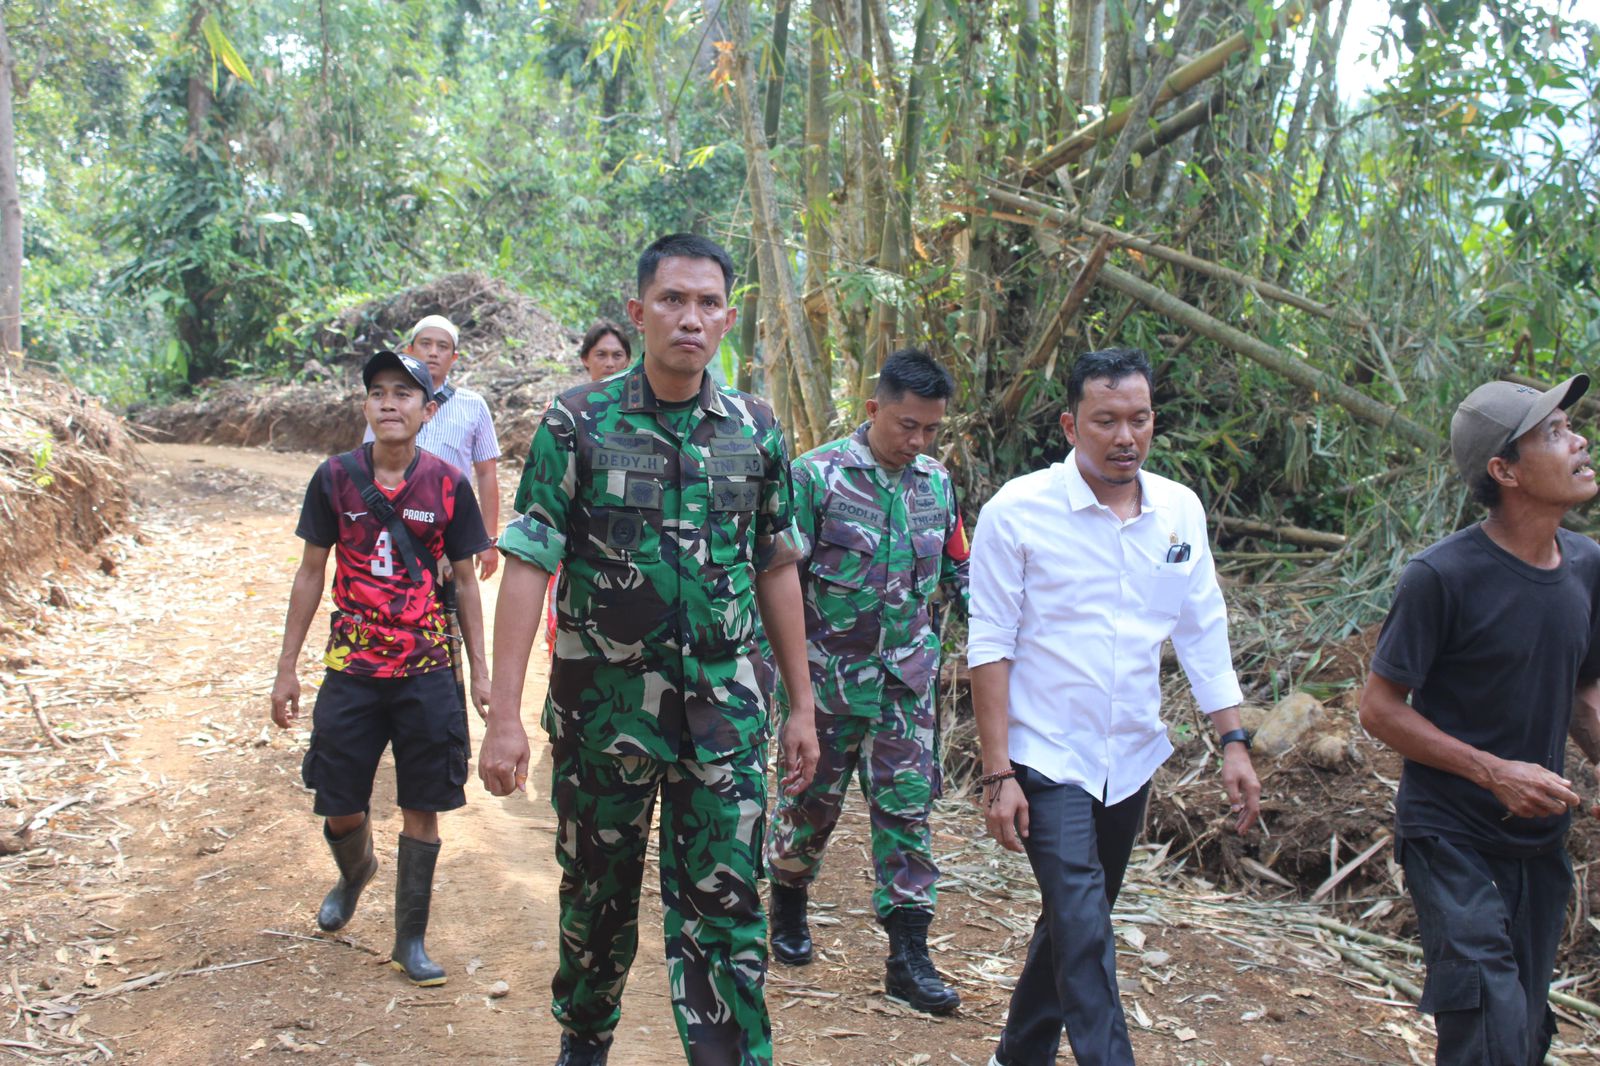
x=512, y=351
x=497, y=323
x=65, y=465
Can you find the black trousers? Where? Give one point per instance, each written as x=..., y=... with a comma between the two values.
x=1079, y=850
x=1491, y=926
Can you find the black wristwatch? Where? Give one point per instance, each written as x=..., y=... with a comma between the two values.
x=1241, y=735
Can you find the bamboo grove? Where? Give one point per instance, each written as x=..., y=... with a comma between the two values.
x=1319, y=270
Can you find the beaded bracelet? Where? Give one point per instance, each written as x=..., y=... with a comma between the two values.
x=994, y=779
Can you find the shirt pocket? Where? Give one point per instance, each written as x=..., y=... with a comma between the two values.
x=1164, y=588
x=928, y=545
x=732, y=505
x=624, y=534
x=843, y=554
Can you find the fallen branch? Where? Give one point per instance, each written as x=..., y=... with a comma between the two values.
x=40, y=820
x=1310, y=538
x=1358, y=403
x=152, y=979
x=1338, y=876
x=1364, y=936
x=1045, y=349
x=345, y=941
x=44, y=723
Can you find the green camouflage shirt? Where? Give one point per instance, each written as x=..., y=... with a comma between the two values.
x=874, y=546
x=659, y=538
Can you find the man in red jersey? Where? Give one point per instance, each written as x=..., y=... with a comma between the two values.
x=389, y=511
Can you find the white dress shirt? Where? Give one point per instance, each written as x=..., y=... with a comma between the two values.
x=1081, y=601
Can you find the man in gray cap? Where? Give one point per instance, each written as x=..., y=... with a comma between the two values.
x=1493, y=637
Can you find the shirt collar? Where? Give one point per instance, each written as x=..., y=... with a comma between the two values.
x=858, y=452
x=1081, y=497
x=639, y=397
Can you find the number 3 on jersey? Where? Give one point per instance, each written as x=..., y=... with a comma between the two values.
x=383, y=556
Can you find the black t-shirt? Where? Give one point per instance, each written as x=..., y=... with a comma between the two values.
x=1493, y=650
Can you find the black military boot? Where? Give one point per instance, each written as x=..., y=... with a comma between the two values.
x=357, y=866
x=413, y=892
x=791, y=936
x=581, y=1051
x=910, y=974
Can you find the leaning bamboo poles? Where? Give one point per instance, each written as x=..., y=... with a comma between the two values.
x=1177, y=83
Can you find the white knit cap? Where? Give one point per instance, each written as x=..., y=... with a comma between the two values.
x=435, y=322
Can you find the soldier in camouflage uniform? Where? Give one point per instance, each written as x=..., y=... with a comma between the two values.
x=878, y=530
x=661, y=496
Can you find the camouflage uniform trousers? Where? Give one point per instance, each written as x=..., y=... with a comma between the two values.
x=713, y=819
x=892, y=755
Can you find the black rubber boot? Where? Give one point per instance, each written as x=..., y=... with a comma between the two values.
x=352, y=853
x=910, y=974
x=413, y=892
x=578, y=1051
x=791, y=936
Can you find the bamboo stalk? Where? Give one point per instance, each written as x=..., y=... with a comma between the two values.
x=1177, y=83
x=1263, y=288
x=1012, y=398
x=1362, y=960
x=1249, y=527
x=1359, y=404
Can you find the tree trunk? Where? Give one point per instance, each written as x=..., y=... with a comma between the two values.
x=776, y=66
x=897, y=232
x=776, y=274
x=817, y=173
x=10, y=207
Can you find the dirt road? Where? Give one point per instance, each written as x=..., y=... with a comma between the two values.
x=166, y=916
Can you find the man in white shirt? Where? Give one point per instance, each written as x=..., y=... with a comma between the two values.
x=462, y=433
x=1079, y=573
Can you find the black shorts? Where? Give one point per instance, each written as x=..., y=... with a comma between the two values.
x=357, y=717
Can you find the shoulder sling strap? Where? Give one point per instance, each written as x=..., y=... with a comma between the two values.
x=413, y=553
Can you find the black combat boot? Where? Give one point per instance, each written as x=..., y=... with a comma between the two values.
x=357, y=866
x=581, y=1051
x=910, y=974
x=791, y=936
x=413, y=892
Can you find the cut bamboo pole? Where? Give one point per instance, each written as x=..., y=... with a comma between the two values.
x=1012, y=398
x=1265, y=289
x=1250, y=527
x=1359, y=404
x=1178, y=82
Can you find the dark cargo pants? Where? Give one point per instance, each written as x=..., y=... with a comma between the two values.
x=712, y=824
x=1491, y=926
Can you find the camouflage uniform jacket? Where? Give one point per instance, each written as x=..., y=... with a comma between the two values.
x=659, y=540
x=874, y=546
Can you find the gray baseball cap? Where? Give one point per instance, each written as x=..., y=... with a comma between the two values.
x=1498, y=413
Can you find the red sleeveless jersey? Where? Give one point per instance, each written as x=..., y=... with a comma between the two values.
x=384, y=624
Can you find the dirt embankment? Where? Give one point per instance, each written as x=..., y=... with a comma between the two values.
x=512, y=351
x=65, y=467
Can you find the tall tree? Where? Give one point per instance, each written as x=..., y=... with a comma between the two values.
x=10, y=205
